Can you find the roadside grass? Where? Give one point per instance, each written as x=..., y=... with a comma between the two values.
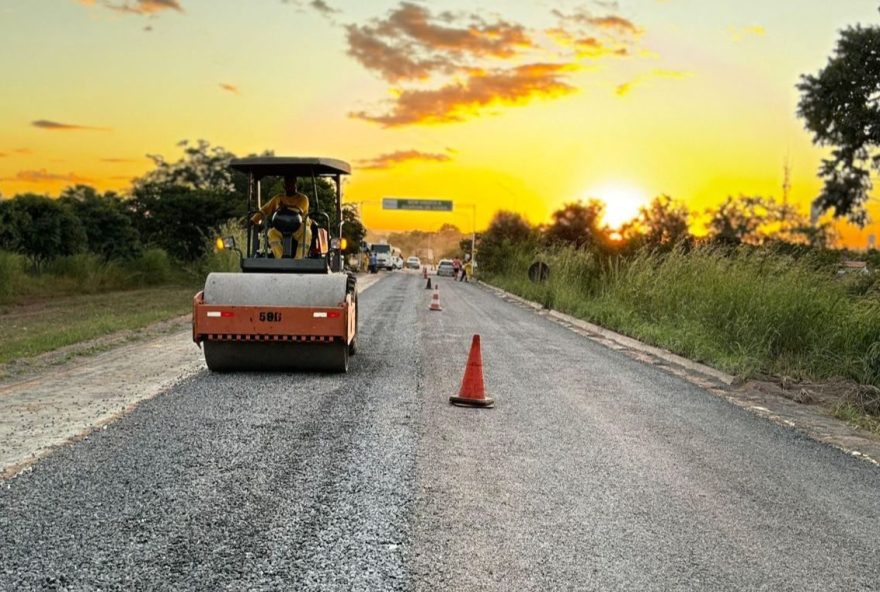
x=83, y=297
x=31, y=329
x=84, y=273
x=747, y=312
x=854, y=415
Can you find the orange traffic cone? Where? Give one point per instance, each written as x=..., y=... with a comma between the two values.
x=472, y=392
x=425, y=272
x=435, y=299
x=428, y=285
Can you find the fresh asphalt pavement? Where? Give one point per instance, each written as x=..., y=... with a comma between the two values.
x=593, y=472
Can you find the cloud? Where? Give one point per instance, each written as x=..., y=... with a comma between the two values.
x=230, y=88
x=25, y=151
x=41, y=176
x=141, y=7
x=624, y=89
x=3, y=155
x=616, y=23
x=118, y=160
x=319, y=6
x=588, y=47
x=450, y=66
x=390, y=62
x=456, y=101
x=386, y=161
x=323, y=7
x=56, y=126
x=739, y=34
x=411, y=43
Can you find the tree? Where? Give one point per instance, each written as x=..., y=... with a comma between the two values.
x=108, y=227
x=202, y=167
x=41, y=228
x=182, y=220
x=662, y=224
x=578, y=224
x=841, y=107
x=178, y=206
x=507, y=232
x=353, y=230
x=737, y=220
x=756, y=220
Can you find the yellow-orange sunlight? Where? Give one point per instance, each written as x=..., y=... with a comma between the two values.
x=622, y=202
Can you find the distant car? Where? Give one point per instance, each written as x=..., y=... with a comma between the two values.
x=413, y=263
x=445, y=267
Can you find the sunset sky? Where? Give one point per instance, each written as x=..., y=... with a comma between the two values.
x=516, y=105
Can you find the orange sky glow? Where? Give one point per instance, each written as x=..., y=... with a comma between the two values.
x=518, y=105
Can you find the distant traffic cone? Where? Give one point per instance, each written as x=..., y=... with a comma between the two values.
x=435, y=299
x=425, y=272
x=428, y=285
x=472, y=392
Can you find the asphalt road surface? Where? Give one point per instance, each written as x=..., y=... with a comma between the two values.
x=593, y=472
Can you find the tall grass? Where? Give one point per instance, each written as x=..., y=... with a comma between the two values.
x=747, y=312
x=85, y=274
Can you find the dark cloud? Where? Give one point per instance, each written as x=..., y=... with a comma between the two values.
x=323, y=7
x=56, y=126
x=392, y=62
x=387, y=161
x=458, y=100
x=230, y=88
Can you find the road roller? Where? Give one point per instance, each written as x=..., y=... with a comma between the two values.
x=292, y=307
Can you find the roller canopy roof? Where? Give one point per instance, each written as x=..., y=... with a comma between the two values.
x=265, y=166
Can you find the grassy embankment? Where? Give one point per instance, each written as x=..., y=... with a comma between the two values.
x=749, y=313
x=79, y=298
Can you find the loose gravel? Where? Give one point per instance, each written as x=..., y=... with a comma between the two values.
x=236, y=482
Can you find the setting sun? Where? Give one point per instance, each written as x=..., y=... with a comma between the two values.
x=622, y=202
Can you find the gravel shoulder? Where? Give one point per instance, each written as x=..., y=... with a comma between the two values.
x=66, y=394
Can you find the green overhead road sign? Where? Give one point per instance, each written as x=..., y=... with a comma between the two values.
x=422, y=205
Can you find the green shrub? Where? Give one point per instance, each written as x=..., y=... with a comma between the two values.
x=12, y=275
x=152, y=268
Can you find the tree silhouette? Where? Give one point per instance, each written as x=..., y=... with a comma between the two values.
x=661, y=224
x=841, y=107
x=108, y=227
x=507, y=231
x=578, y=224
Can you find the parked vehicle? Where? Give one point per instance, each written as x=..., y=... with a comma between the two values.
x=397, y=262
x=446, y=268
x=384, y=256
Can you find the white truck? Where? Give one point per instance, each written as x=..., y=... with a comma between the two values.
x=384, y=256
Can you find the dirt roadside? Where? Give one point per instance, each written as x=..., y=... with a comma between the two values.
x=62, y=396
